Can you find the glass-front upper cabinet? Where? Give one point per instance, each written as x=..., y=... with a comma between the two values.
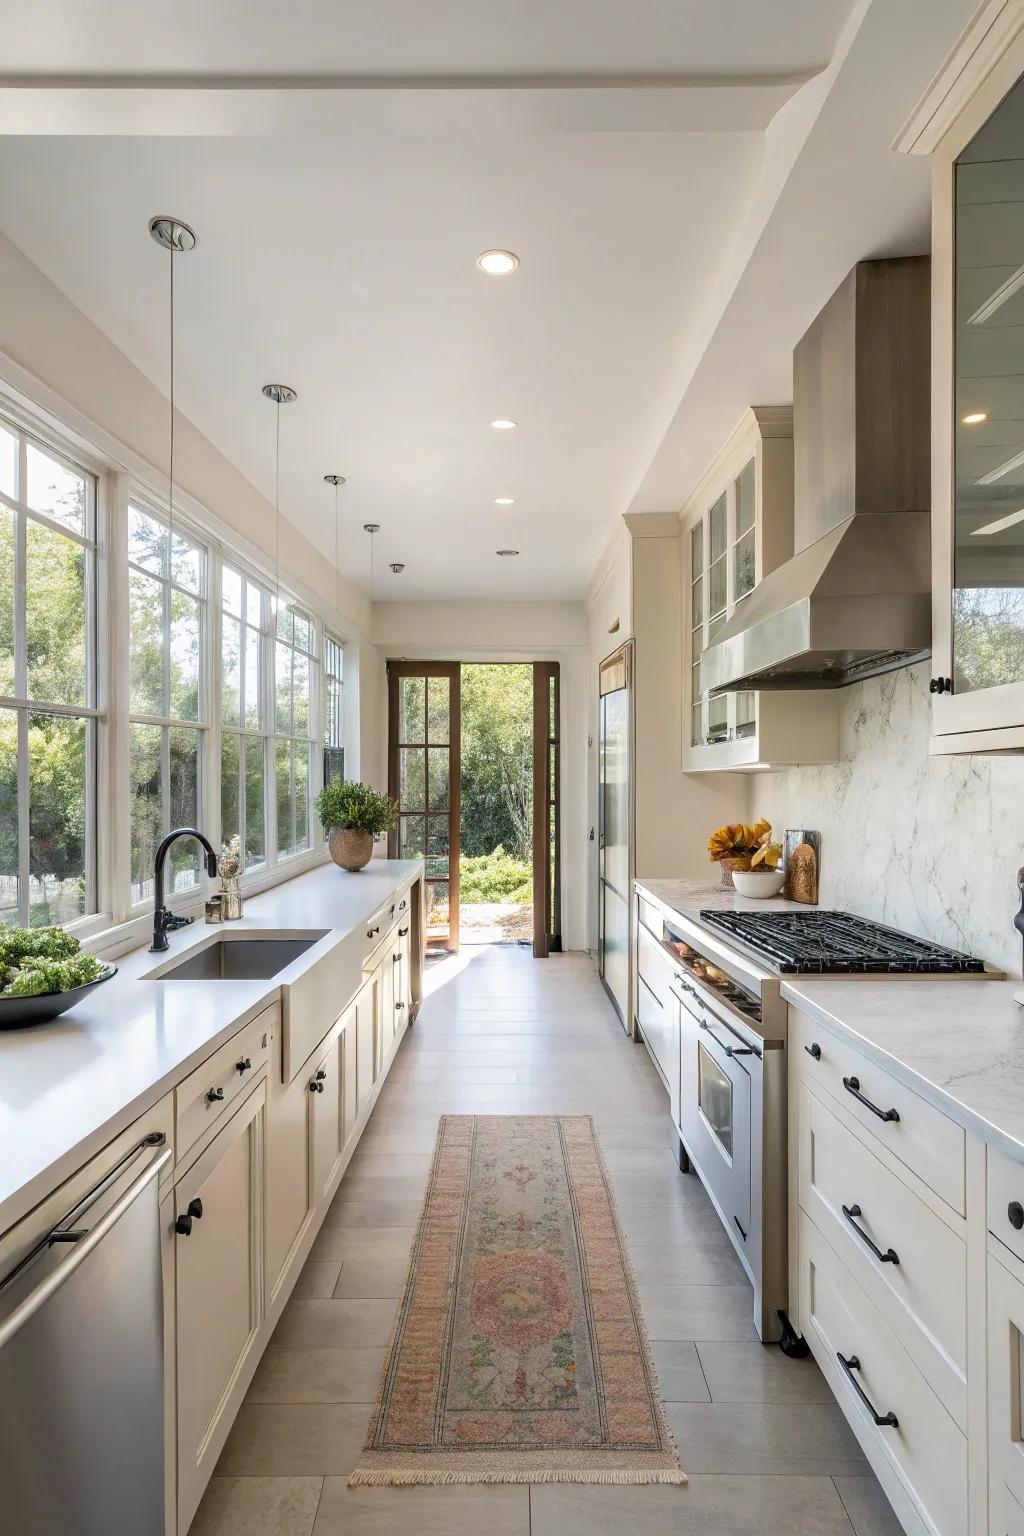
x=737, y=526
x=978, y=420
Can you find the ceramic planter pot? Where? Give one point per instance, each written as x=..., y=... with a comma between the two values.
x=350, y=847
x=729, y=867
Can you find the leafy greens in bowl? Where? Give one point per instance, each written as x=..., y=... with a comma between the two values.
x=43, y=972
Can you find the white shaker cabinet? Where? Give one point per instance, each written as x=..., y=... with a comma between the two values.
x=325, y=1094
x=218, y=1292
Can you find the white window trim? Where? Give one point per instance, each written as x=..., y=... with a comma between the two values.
x=118, y=926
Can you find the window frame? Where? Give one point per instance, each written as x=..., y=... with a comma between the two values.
x=21, y=702
x=332, y=712
x=314, y=723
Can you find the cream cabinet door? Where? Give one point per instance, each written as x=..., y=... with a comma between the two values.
x=326, y=1094
x=347, y=1052
x=1006, y=1375
x=367, y=1010
x=404, y=996
x=289, y=1190
x=386, y=1033
x=218, y=1291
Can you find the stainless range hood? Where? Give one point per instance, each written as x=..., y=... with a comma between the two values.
x=855, y=598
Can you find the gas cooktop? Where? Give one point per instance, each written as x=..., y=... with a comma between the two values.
x=827, y=943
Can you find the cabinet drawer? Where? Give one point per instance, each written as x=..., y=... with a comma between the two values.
x=920, y=1283
x=207, y=1095
x=924, y=1448
x=901, y=1121
x=648, y=913
x=659, y=1028
x=654, y=966
x=1005, y=1200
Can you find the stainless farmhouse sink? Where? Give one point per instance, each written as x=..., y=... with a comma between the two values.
x=237, y=957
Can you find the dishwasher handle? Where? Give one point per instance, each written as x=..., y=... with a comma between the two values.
x=83, y=1245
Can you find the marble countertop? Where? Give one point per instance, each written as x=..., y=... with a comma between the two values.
x=69, y=1086
x=687, y=897
x=957, y=1042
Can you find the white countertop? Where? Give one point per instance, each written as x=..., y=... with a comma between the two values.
x=957, y=1042
x=687, y=897
x=69, y=1086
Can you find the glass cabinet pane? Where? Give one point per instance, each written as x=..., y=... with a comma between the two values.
x=743, y=566
x=745, y=498
x=746, y=714
x=718, y=718
x=717, y=583
x=697, y=725
x=718, y=520
x=696, y=551
x=988, y=563
x=697, y=604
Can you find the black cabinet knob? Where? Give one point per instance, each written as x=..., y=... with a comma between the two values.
x=1015, y=1214
x=814, y=1050
x=940, y=685
x=214, y=1095
x=243, y=1065
x=183, y=1224
x=316, y=1087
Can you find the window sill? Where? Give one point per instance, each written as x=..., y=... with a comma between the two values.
x=119, y=938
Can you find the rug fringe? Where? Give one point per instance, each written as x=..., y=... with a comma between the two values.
x=364, y=1477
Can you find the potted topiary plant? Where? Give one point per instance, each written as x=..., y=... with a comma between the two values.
x=352, y=815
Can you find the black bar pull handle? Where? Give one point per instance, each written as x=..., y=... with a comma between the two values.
x=852, y=1085
x=853, y=1364
x=890, y=1256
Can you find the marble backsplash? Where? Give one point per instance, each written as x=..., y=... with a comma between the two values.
x=931, y=845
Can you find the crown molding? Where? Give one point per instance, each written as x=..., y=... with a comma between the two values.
x=983, y=42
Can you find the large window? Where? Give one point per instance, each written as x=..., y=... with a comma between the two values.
x=244, y=655
x=334, y=721
x=166, y=645
x=295, y=679
x=47, y=684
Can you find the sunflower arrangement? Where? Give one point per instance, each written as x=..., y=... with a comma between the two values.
x=738, y=846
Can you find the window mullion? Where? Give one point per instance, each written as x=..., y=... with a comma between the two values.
x=24, y=826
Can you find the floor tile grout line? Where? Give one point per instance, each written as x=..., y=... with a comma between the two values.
x=846, y=1512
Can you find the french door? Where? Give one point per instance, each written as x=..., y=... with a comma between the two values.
x=423, y=776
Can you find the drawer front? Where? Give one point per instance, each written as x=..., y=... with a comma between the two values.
x=658, y=1026
x=924, y=1447
x=206, y=1096
x=901, y=1121
x=1006, y=1517
x=648, y=913
x=920, y=1282
x=1005, y=1200
x=1005, y=1376
x=654, y=966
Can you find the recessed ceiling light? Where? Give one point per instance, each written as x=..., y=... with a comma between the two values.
x=505, y=553
x=974, y=417
x=497, y=263
x=504, y=501
x=503, y=424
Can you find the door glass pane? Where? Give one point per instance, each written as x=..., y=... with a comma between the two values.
x=57, y=819
x=438, y=689
x=8, y=464
x=437, y=834
x=230, y=752
x=230, y=674
x=437, y=867
x=6, y=602
x=412, y=709
x=743, y=575
x=718, y=588
x=988, y=581
x=697, y=604
x=437, y=774
x=718, y=518
x=55, y=616
x=185, y=655
x=437, y=904
x=183, y=859
x=696, y=550
x=146, y=816
x=745, y=485
x=255, y=820
x=714, y=1094
x=411, y=844
x=8, y=816
x=56, y=490
x=412, y=778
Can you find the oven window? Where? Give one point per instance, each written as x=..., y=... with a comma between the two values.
x=714, y=1094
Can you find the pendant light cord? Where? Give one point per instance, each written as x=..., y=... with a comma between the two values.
x=337, y=552
x=170, y=480
x=277, y=513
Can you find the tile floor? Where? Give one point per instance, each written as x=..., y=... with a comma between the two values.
x=766, y=1448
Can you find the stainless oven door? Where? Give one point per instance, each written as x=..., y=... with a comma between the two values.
x=720, y=1126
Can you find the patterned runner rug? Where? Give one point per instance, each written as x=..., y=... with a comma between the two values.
x=519, y=1354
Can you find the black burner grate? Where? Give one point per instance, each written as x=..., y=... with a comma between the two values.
x=823, y=943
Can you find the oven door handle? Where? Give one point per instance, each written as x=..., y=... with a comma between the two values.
x=730, y=1050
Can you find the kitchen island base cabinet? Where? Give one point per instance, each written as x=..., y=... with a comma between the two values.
x=218, y=1292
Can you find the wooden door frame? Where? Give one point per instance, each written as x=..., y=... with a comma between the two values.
x=398, y=668
x=547, y=856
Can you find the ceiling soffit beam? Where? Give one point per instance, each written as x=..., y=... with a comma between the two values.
x=257, y=107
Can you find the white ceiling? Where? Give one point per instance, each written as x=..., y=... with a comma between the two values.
x=336, y=253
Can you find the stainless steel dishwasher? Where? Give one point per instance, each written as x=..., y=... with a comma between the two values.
x=81, y=1364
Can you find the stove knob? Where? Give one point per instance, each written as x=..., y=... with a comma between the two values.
x=1015, y=1214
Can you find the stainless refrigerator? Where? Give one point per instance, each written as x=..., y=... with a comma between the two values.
x=615, y=826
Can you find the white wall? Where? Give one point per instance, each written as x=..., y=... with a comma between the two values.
x=931, y=845
x=512, y=632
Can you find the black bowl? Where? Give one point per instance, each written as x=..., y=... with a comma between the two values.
x=19, y=1012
